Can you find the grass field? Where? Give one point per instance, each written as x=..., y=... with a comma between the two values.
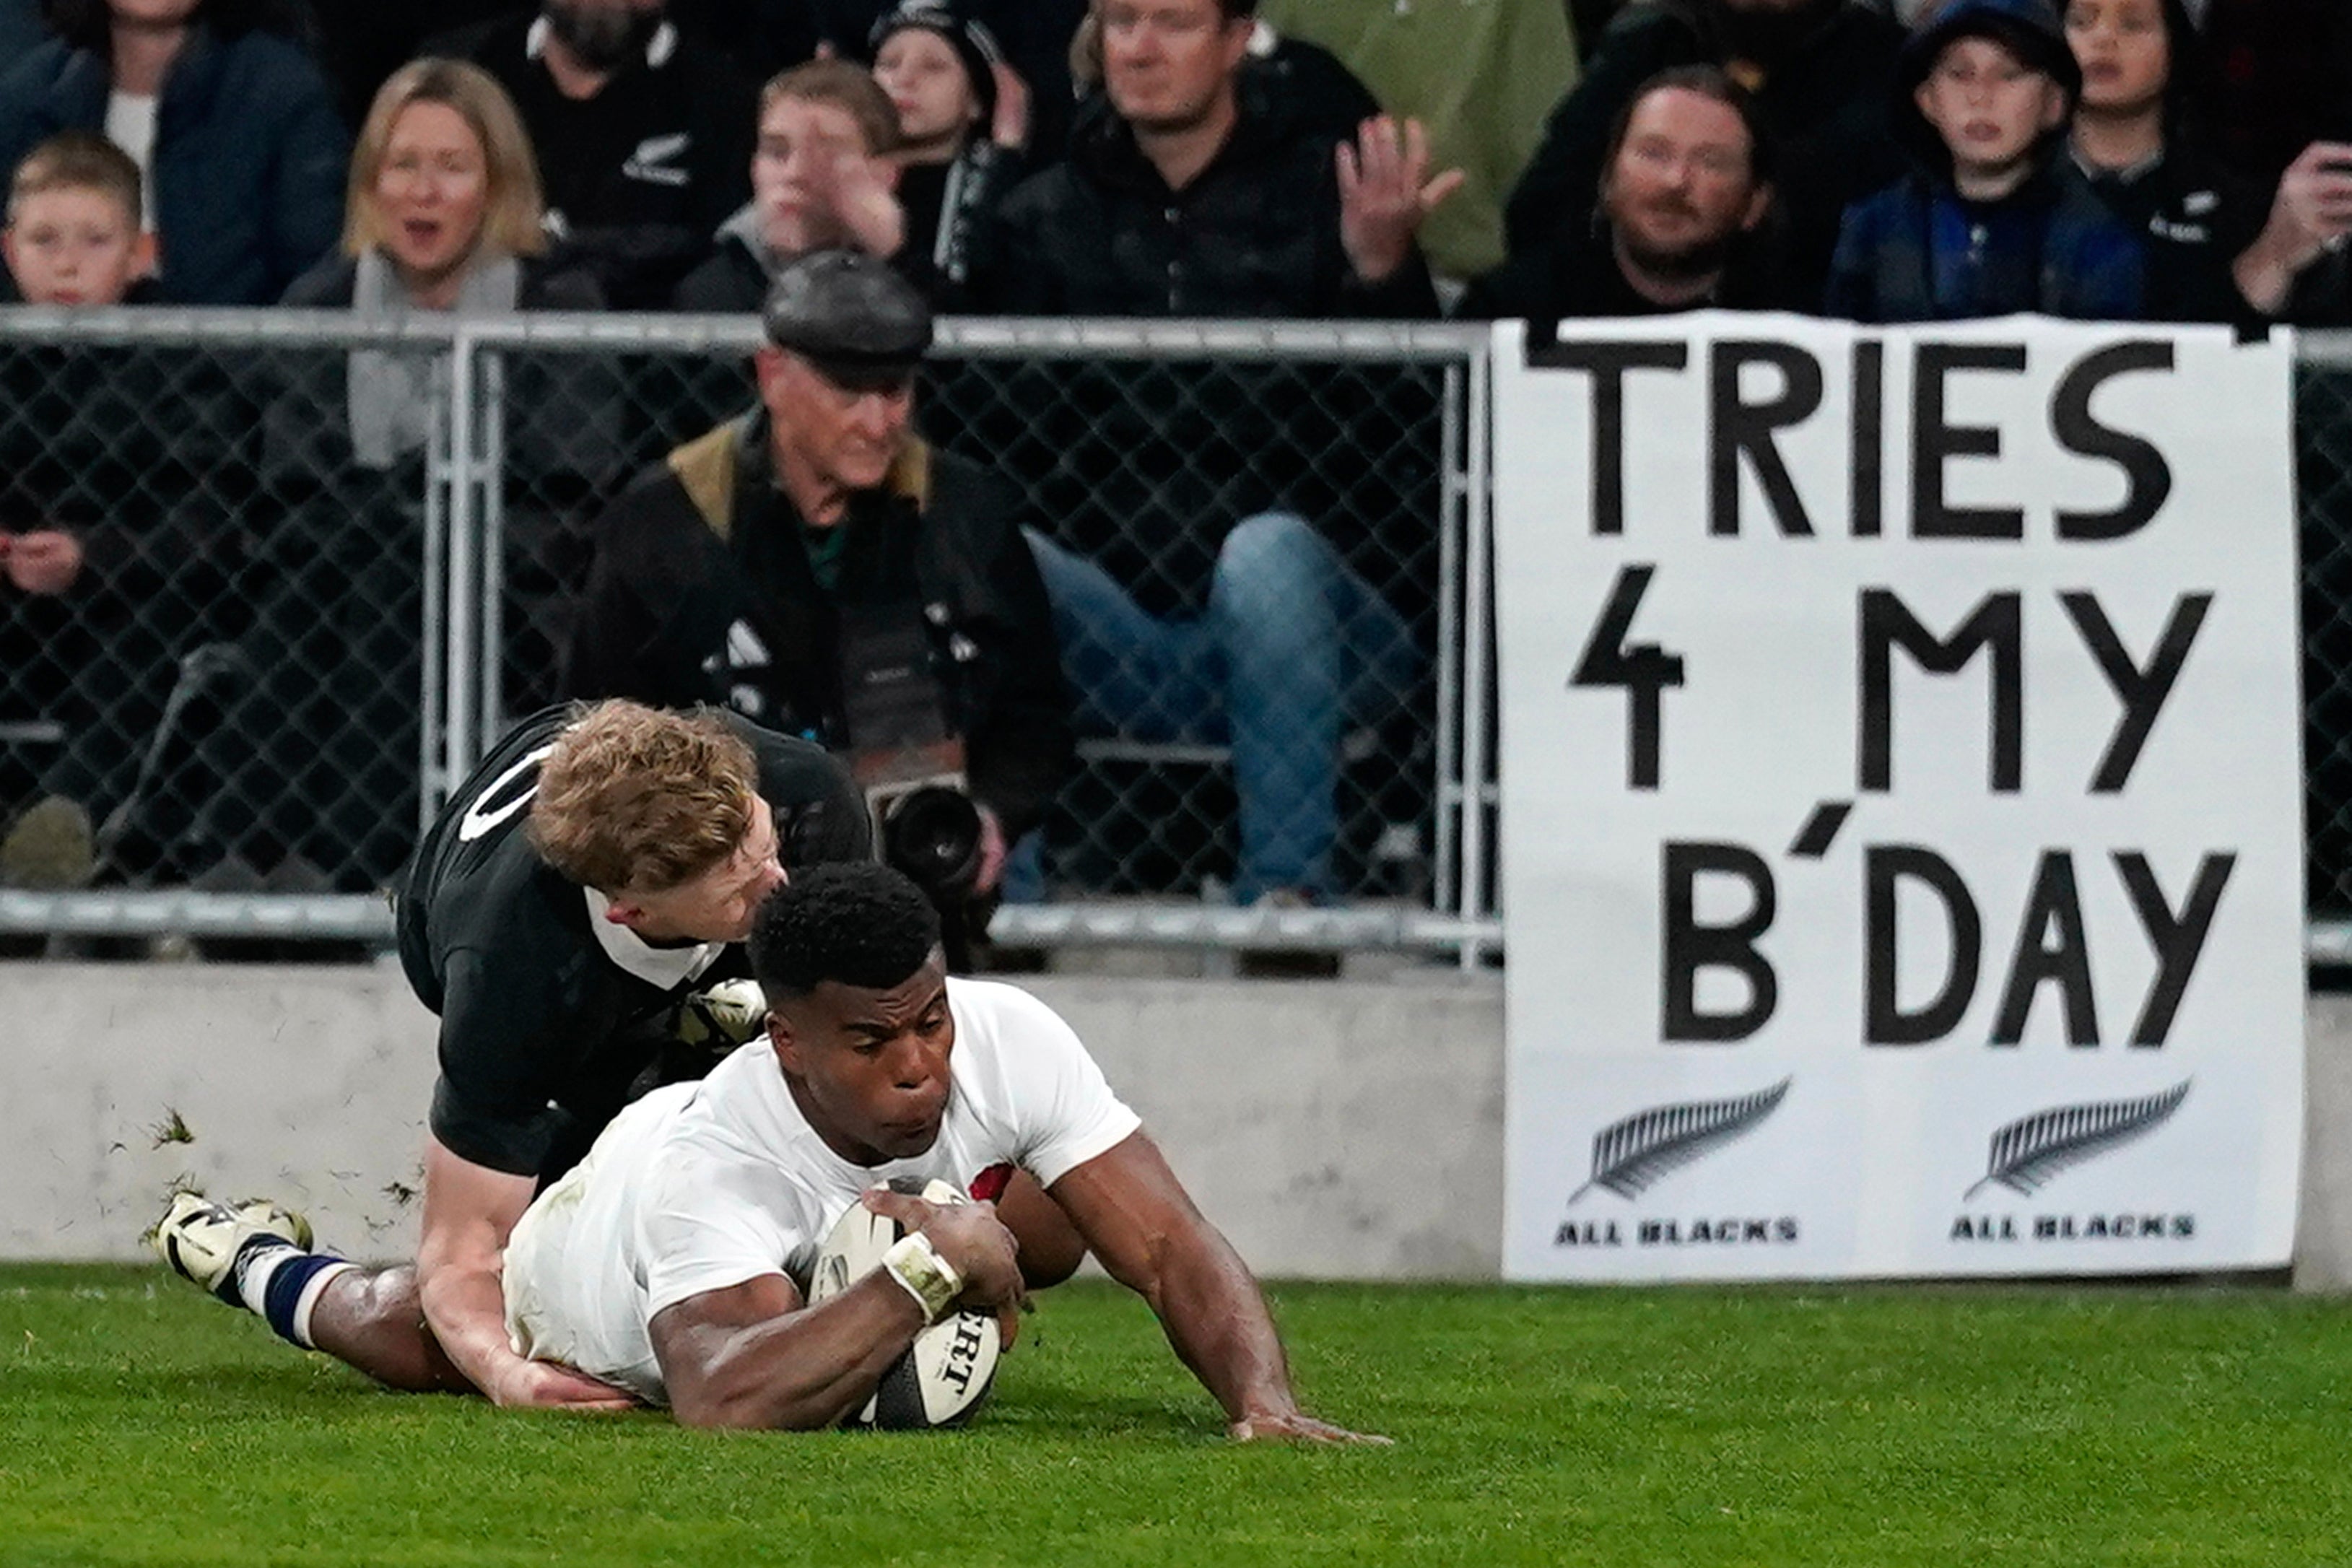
x=142, y=1424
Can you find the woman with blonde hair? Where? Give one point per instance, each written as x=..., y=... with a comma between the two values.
x=441, y=215
x=443, y=210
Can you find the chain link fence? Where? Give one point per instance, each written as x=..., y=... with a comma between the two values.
x=213, y=623
x=315, y=565
x=324, y=564
x=2323, y=483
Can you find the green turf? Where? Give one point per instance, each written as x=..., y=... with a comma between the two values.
x=142, y=1424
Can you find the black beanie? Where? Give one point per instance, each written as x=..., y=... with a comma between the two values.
x=973, y=42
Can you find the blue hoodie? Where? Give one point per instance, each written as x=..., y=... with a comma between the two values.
x=1919, y=251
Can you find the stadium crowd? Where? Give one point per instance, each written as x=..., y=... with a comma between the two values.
x=210, y=644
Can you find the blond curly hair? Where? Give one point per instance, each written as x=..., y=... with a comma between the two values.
x=636, y=799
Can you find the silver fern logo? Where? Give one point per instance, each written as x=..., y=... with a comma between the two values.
x=2030, y=1150
x=1628, y=1155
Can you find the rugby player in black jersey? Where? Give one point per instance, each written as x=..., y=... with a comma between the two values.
x=585, y=888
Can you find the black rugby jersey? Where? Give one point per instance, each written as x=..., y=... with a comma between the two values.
x=549, y=1012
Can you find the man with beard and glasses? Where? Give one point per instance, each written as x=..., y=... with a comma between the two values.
x=1819, y=69
x=643, y=133
x=1684, y=207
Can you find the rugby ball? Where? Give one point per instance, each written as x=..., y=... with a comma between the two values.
x=946, y=1374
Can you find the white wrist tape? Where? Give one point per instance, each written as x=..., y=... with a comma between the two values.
x=930, y=1279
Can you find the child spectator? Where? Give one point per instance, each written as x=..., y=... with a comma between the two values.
x=2139, y=136
x=97, y=593
x=231, y=124
x=823, y=177
x=74, y=235
x=1993, y=220
x=948, y=81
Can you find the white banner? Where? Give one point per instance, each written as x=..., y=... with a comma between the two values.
x=1900, y=798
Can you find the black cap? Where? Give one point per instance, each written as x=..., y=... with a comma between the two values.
x=851, y=315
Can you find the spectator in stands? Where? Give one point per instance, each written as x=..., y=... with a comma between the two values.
x=1996, y=218
x=443, y=212
x=1186, y=196
x=1323, y=95
x=963, y=124
x=1820, y=71
x=821, y=571
x=442, y=215
x=2138, y=135
x=1683, y=209
x=230, y=122
x=823, y=177
x=643, y=133
x=1192, y=192
x=76, y=233
x=105, y=574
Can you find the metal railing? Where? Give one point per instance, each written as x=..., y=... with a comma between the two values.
x=289, y=647
x=420, y=527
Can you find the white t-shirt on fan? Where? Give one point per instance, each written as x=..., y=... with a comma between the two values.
x=131, y=125
x=700, y=1186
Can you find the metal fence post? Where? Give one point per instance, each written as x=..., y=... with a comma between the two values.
x=1453, y=500
x=434, y=778
x=1478, y=678
x=465, y=538
x=491, y=387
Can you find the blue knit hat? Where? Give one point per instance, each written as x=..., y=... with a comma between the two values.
x=2030, y=29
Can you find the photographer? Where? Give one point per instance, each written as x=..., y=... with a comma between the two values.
x=821, y=570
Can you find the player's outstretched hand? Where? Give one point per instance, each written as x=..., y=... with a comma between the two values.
x=972, y=1239
x=543, y=1385
x=1297, y=1426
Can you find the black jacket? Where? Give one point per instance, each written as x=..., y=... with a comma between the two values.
x=1824, y=102
x=549, y=1015
x=1256, y=234
x=1577, y=275
x=2193, y=217
x=647, y=170
x=703, y=592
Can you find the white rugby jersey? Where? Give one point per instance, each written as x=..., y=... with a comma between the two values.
x=700, y=1186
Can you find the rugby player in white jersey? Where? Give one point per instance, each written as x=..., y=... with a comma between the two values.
x=659, y=1264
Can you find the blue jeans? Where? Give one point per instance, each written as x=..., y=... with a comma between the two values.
x=1294, y=649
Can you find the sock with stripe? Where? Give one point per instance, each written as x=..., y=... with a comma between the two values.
x=281, y=1284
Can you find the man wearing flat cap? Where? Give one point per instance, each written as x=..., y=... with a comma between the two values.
x=820, y=569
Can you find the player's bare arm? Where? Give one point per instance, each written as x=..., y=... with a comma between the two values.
x=469, y=1212
x=756, y=1355
x=1142, y=1225
x=1051, y=1247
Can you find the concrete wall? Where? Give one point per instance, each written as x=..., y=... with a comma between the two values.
x=1331, y=1130
x=2322, y=1233
x=1339, y=1131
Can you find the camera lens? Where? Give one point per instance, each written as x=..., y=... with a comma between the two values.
x=933, y=836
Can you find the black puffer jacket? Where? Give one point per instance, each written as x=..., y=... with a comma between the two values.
x=1256, y=234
